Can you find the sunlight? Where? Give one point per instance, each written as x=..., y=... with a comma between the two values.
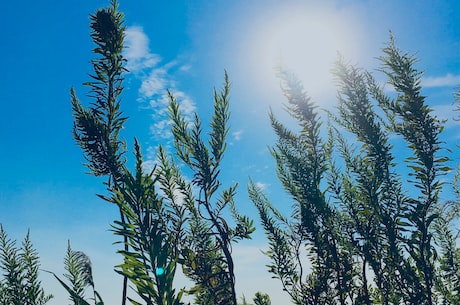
x=306, y=41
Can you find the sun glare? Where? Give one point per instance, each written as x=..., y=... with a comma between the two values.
x=304, y=40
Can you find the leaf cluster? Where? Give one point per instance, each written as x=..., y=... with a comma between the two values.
x=368, y=241
x=301, y=159
x=164, y=219
x=208, y=242
x=259, y=299
x=151, y=229
x=79, y=274
x=96, y=129
x=19, y=283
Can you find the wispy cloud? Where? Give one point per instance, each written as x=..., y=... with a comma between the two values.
x=237, y=135
x=154, y=83
x=137, y=50
x=449, y=80
x=156, y=79
x=261, y=186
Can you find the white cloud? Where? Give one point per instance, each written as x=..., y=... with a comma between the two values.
x=154, y=84
x=137, y=50
x=237, y=135
x=262, y=186
x=158, y=128
x=188, y=107
x=185, y=68
x=448, y=80
x=156, y=79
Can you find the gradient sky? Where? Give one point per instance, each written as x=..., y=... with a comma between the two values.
x=185, y=46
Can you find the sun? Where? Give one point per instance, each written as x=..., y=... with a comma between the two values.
x=305, y=40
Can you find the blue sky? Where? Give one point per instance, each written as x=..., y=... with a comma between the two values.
x=185, y=46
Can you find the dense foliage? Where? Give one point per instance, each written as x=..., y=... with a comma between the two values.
x=362, y=232
x=19, y=267
x=164, y=219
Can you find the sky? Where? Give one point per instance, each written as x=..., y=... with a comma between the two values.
x=185, y=46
